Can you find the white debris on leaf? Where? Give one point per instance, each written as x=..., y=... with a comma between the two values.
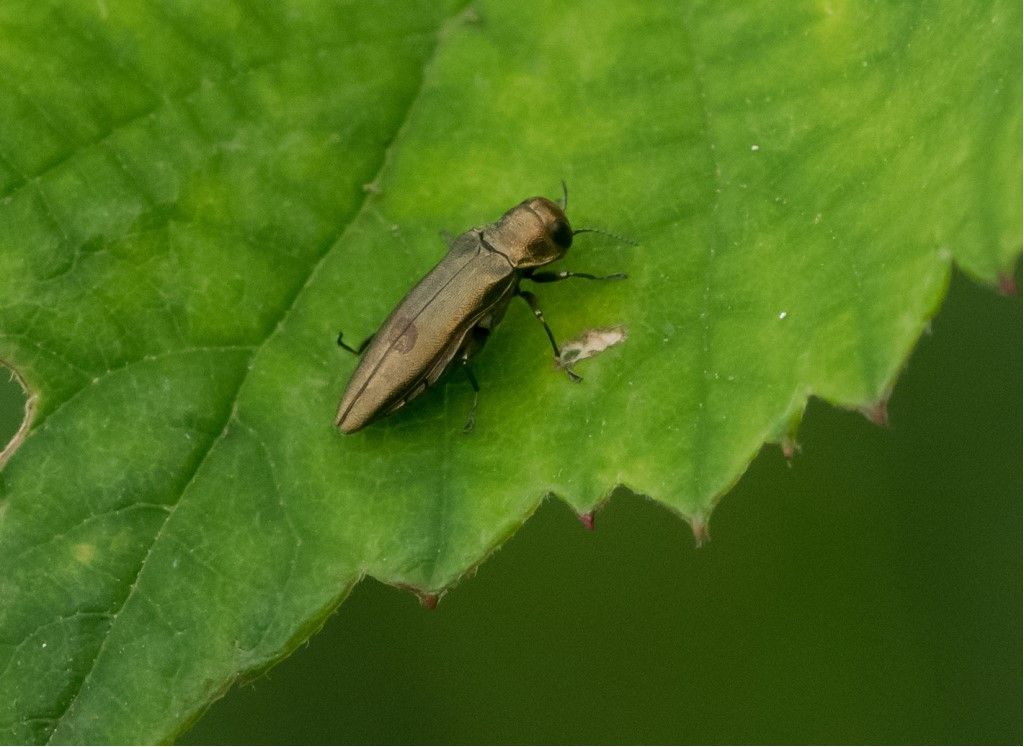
x=590, y=343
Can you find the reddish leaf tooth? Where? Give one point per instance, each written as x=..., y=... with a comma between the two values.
x=878, y=413
x=1008, y=284
x=428, y=601
x=699, y=525
x=789, y=447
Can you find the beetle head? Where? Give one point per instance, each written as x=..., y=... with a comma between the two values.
x=535, y=232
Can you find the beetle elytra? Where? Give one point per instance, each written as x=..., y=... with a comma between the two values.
x=446, y=318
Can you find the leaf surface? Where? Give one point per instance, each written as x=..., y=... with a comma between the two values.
x=195, y=198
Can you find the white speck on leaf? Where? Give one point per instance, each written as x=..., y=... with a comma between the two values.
x=783, y=314
x=755, y=148
x=590, y=343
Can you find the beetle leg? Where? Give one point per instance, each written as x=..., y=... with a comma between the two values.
x=470, y=347
x=355, y=351
x=554, y=277
x=471, y=418
x=534, y=305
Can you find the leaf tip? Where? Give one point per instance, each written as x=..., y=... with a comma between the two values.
x=878, y=413
x=428, y=600
x=1007, y=284
x=789, y=447
x=587, y=520
x=785, y=434
x=699, y=525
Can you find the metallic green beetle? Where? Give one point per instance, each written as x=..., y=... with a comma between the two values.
x=446, y=318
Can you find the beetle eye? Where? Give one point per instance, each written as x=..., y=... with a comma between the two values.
x=561, y=234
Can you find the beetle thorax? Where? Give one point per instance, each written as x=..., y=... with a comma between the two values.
x=535, y=232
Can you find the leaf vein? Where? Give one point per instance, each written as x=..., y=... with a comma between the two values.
x=231, y=415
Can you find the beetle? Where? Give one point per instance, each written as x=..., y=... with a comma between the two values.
x=448, y=315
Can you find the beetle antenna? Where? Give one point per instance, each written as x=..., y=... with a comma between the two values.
x=565, y=196
x=609, y=234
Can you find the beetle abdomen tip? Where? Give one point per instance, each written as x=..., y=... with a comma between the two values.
x=345, y=424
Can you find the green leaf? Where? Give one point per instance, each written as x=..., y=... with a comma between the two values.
x=195, y=197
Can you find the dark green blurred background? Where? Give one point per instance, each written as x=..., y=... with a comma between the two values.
x=869, y=593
